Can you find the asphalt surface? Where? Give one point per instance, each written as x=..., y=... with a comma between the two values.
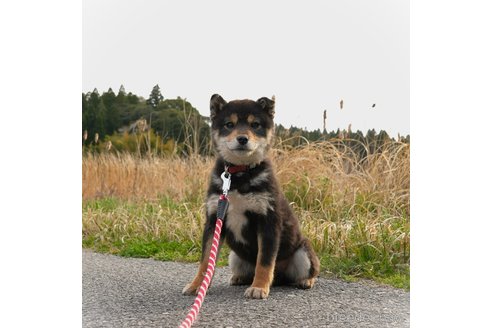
x=128, y=292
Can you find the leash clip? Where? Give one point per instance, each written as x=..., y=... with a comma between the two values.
x=226, y=182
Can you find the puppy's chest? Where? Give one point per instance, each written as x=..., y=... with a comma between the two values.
x=239, y=204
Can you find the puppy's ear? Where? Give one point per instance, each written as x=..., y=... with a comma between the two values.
x=216, y=104
x=268, y=105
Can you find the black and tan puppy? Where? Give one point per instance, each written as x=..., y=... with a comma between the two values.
x=260, y=228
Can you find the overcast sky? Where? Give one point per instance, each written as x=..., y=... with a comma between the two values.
x=309, y=54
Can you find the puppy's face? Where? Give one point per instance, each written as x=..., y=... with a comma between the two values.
x=242, y=129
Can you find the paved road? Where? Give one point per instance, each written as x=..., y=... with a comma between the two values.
x=127, y=292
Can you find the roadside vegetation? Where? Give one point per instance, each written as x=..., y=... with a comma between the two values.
x=352, y=197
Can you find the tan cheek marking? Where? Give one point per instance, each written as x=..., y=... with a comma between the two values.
x=251, y=136
x=232, y=136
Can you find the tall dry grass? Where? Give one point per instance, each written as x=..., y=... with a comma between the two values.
x=143, y=178
x=326, y=168
x=354, y=210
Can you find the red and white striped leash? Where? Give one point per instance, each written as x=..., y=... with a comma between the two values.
x=202, y=291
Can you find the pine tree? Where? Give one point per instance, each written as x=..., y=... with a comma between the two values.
x=112, y=121
x=95, y=115
x=122, y=90
x=94, y=97
x=109, y=98
x=155, y=97
x=121, y=97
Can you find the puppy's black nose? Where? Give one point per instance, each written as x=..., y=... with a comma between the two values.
x=242, y=140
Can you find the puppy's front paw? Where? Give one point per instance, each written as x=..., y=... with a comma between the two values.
x=190, y=289
x=257, y=292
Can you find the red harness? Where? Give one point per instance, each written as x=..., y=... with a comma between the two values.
x=237, y=168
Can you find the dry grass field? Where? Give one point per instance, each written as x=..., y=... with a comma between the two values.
x=355, y=211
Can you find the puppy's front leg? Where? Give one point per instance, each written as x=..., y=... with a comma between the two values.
x=268, y=243
x=208, y=233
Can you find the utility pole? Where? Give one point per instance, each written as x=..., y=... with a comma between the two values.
x=324, y=122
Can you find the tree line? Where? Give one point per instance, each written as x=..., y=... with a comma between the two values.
x=125, y=122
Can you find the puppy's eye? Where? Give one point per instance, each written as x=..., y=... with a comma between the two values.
x=255, y=125
x=229, y=125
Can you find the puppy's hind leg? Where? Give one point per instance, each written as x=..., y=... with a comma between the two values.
x=303, y=268
x=243, y=272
